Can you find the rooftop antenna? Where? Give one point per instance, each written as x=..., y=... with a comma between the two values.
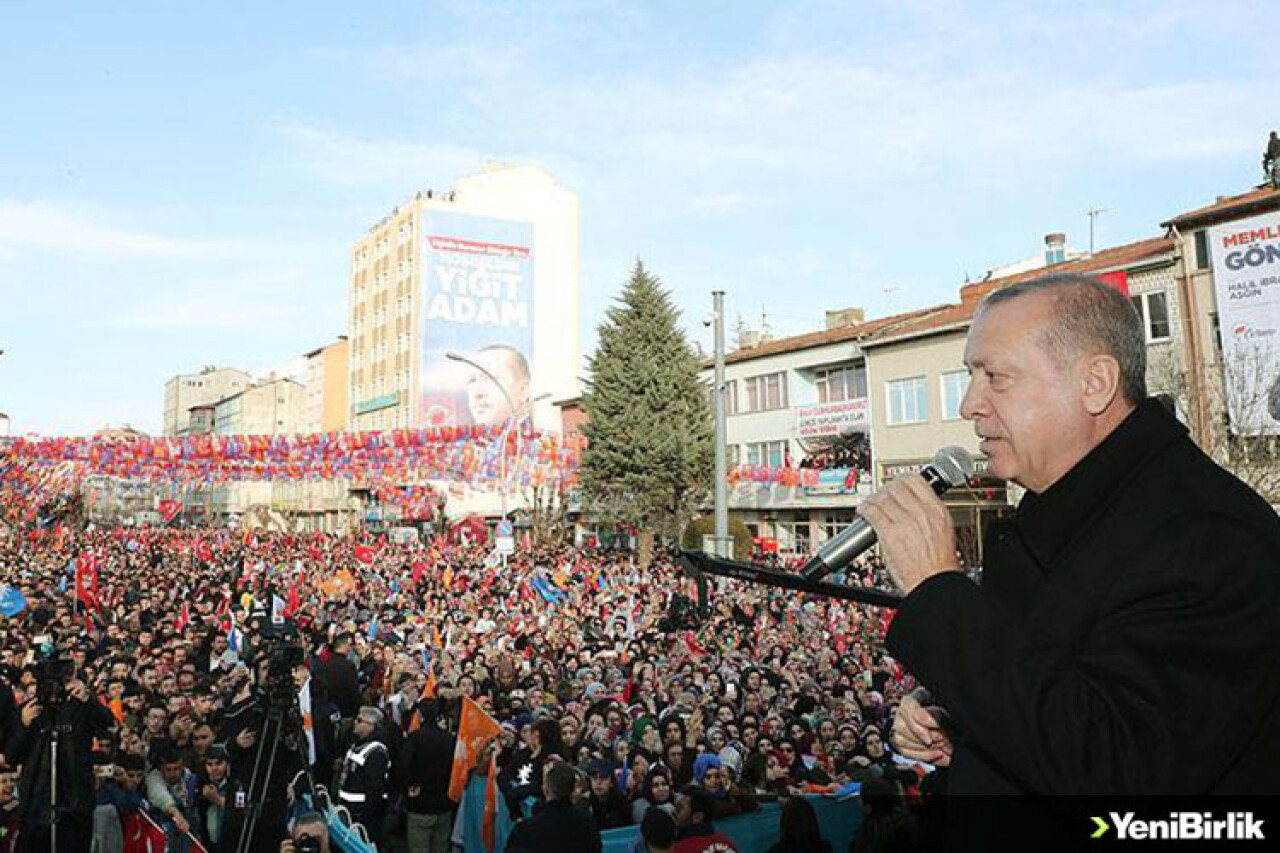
x=1094, y=213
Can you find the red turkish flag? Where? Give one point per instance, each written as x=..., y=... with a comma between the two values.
x=87, y=579
x=170, y=509
x=365, y=554
x=204, y=551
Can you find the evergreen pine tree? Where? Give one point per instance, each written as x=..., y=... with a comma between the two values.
x=648, y=460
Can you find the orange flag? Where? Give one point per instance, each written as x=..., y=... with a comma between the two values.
x=490, y=804
x=476, y=729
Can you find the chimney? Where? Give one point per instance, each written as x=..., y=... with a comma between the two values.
x=749, y=339
x=845, y=317
x=1055, y=248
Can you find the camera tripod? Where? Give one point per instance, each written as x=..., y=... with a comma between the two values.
x=281, y=730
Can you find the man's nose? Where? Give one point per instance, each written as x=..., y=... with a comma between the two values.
x=971, y=402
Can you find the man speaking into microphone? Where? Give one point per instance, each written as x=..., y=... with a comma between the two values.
x=1124, y=639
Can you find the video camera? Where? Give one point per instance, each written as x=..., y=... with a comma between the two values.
x=284, y=651
x=53, y=672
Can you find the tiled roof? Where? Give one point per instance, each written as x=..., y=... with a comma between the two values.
x=1228, y=207
x=1107, y=259
x=938, y=317
x=809, y=340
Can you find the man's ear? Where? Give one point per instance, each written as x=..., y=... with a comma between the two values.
x=1099, y=382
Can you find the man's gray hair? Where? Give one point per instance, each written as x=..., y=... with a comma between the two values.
x=370, y=715
x=314, y=819
x=1089, y=316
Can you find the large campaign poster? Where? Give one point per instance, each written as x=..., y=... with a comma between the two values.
x=1246, y=274
x=476, y=320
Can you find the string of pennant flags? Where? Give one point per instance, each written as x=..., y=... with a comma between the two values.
x=31, y=469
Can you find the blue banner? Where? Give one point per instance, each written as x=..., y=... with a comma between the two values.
x=755, y=832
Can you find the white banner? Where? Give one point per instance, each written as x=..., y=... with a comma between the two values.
x=828, y=419
x=1246, y=274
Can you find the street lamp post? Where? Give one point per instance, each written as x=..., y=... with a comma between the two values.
x=723, y=542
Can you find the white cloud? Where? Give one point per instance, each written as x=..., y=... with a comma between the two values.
x=44, y=225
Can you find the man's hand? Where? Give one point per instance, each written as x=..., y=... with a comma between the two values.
x=286, y=846
x=917, y=536
x=30, y=712
x=210, y=793
x=181, y=822
x=918, y=733
x=246, y=739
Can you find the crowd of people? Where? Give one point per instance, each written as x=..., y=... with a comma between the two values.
x=154, y=658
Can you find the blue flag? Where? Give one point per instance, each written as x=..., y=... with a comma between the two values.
x=373, y=628
x=12, y=601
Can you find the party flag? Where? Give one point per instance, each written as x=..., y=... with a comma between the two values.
x=475, y=731
x=490, y=803
x=12, y=601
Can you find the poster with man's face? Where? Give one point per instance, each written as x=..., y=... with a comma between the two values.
x=477, y=306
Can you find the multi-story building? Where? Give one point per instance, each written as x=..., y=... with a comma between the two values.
x=327, y=381
x=1230, y=387
x=322, y=504
x=1197, y=289
x=389, y=323
x=207, y=387
x=798, y=407
x=272, y=407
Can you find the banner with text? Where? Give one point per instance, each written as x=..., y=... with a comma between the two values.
x=828, y=420
x=1246, y=274
x=477, y=305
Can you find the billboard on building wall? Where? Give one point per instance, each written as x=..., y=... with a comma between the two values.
x=1246, y=275
x=477, y=303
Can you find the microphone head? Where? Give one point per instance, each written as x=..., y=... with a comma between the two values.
x=954, y=464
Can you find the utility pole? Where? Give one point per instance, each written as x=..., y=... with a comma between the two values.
x=1094, y=213
x=724, y=547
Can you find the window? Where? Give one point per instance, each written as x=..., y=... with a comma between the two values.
x=835, y=522
x=1202, y=249
x=770, y=453
x=908, y=401
x=954, y=384
x=793, y=536
x=730, y=396
x=733, y=454
x=766, y=393
x=1153, y=309
x=848, y=382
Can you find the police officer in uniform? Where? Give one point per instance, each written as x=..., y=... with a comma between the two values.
x=363, y=786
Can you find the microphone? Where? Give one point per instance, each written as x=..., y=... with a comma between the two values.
x=951, y=466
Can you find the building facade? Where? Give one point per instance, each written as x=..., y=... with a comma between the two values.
x=387, y=328
x=207, y=387
x=797, y=430
x=271, y=407
x=322, y=504
x=327, y=381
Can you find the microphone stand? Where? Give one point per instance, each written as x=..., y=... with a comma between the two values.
x=699, y=564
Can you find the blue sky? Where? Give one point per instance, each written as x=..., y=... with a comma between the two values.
x=180, y=183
